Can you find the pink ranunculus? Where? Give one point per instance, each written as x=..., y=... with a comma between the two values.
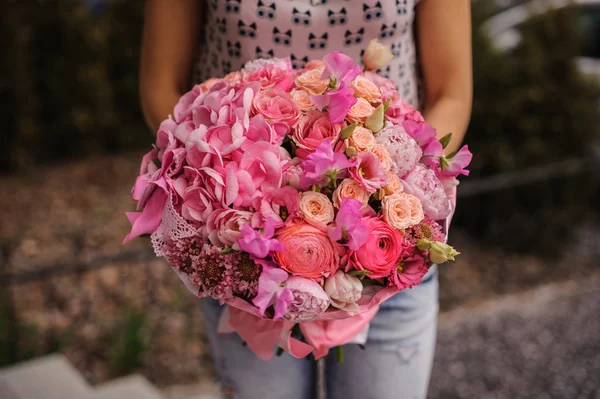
x=312, y=129
x=408, y=273
x=369, y=172
x=308, y=251
x=276, y=106
x=404, y=150
x=380, y=253
x=293, y=173
x=310, y=300
x=423, y=184
x=223, y=227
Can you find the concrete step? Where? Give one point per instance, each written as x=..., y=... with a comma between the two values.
x=131, y=387
x=48, y=377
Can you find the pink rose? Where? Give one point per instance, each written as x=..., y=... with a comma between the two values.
x=350, y=189
x=316, y=208
x=423, y=184
x=403, y=149
x=302, y=99
x=361, y=139
x=223, y=227
x=401, y=211
x=276, y=106
x=308, y=251
x=312, y=129
x=364, y=88
x=380, y=253
x=394, y=185
x=369, y=172
x=271, y=73
x=382, y=154
x=311, y=81
x=360, y=111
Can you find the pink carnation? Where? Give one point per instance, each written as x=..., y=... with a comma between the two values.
x=409, y=272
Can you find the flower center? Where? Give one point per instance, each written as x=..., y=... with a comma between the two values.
x=210, y=272
x=247, y=270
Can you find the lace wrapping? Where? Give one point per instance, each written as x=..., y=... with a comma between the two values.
x=172, y=227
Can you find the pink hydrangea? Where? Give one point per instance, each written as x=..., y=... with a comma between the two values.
x=403, y=149
x=310, y=300
x=423, y=184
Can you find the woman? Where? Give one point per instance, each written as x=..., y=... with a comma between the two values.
x=396, y=360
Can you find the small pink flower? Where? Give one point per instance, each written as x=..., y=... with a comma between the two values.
x=458, y=163
x=338, y=103
x=408, y=273
x=271, y=290
x=276, y=106
x=340, y=68
x=323, y=166
x=259, y=244
x=277, y=205
x=369, y=172
x=349, y=227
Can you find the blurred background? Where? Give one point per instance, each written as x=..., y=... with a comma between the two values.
x=519, y=309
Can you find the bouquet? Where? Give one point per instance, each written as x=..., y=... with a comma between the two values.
x=300, y=198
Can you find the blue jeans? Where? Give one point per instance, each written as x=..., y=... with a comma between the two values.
x=394, y=364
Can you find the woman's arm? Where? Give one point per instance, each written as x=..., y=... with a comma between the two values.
x=168, y=45
x=444, y=31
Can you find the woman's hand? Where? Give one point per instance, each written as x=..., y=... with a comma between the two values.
x=444, y=36
x=169, y=39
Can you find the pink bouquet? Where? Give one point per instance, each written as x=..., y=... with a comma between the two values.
x=300, y=198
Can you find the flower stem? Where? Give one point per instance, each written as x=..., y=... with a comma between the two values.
x=279, y=351
x=339, y=350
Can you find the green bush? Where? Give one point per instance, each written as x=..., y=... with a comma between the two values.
x=532, y=107
x=69, y=86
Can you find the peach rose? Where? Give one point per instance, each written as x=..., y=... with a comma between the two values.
x=384, y=156
x=360, y=111
x=233, y=77
x=308, y=252
x=315, y=64
x=376, y=55
x=394, y=185
x=302, y=99
x=208, y=84
x=401, y=210
x=361, y=139
x=364, y=88
x=311, y=81
x=351, y=189
x=316, y=208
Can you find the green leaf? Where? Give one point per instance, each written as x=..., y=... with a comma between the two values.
x=451, y=155
x=446, y=140
x=359, y=273
x=386, y=105
x=227, y=251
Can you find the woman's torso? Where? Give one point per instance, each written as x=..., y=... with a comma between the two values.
x=238, y=31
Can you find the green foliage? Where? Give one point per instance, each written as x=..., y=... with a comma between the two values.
x=127, y=344
x=532, y=107
x=70, y=82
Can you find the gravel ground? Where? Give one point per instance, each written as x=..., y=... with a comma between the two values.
x=540, y=344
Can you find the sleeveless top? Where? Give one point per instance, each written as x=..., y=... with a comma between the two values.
x=238, y=31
